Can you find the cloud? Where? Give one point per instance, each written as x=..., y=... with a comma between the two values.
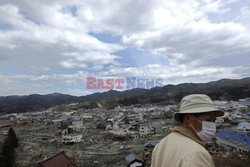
x=244, y=16
x=196, y=44
x=49, y=42
x=46, y=45
x=169, y=73
x=215, y=6
x=23, y=84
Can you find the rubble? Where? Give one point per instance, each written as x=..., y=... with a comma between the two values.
x=104, y=137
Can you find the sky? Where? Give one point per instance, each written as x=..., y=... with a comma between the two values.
x=52, y=46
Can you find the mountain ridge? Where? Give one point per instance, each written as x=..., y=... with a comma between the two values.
x=228, y=89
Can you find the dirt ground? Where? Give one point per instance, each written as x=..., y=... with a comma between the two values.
x=232, y=160
x=95, y=149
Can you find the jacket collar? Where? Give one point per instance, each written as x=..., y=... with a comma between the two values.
x=188, y=133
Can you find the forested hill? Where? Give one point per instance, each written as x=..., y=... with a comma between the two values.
x=224, y=89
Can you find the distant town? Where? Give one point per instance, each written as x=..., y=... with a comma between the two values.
x=122, y=136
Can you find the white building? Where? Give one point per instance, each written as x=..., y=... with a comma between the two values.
x=72, y=139
x=245, y=101
x=243, y=127
x=86, y=116
x=146, y=130
x=76, y=126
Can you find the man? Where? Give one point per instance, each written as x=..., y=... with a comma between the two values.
x=184, y=146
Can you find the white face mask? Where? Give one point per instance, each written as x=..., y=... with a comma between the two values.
x=207, y=132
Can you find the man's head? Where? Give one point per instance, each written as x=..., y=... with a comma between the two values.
x=194, y=121
x=195, y=110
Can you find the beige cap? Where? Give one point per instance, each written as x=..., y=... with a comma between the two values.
x=197, y=103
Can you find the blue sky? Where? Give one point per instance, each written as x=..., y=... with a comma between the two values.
x=55, y=48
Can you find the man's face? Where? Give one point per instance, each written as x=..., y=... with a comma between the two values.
x=197, y=121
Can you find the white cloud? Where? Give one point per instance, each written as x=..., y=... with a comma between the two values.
x=198, y=42
x=35, y=41
x=27, y=84
x=244, y=16
x=215, y=6
x=45, y=38
x=172, y=72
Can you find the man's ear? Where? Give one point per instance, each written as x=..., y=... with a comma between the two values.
x=189, y=118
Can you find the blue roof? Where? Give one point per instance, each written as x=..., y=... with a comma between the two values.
x=234, y=136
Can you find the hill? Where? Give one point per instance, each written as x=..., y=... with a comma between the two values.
x=224, y=89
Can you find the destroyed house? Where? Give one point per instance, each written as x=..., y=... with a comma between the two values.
x=65, y=124
x=134, y=160
x=124, y=120
x=132, y=119
x=232, y=139
x=150, y=145
x=58, y=160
